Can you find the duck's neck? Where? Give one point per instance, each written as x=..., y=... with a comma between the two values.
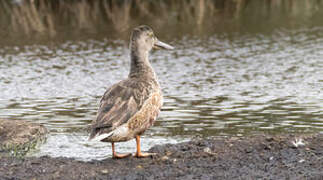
x=140, y=66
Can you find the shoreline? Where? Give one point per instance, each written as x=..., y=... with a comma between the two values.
x=249, y=157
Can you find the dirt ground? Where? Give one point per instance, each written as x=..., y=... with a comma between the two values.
x=257, y=157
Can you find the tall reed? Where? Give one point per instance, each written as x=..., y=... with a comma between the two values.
x=49, y=18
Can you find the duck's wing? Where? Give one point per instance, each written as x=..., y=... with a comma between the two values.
x=118, y=104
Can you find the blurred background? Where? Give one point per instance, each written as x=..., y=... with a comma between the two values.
x=240, y=67
x=27, y=21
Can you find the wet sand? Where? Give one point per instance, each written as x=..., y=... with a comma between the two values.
x=256, y=157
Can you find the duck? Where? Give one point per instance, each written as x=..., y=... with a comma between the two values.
x=131, y=106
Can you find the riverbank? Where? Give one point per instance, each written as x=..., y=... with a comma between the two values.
x=272, y=157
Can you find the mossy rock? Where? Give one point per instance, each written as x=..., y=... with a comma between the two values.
x=17, y=137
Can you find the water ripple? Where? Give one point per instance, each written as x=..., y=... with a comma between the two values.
x=214, y=86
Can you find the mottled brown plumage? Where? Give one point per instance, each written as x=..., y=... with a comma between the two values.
x=131, y=106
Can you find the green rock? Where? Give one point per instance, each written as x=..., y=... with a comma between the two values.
x=17, y=137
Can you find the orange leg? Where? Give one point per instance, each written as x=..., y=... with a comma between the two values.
x=118, y=156
x=139, y=154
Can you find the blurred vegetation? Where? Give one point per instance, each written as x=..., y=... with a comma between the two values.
x=50, y=19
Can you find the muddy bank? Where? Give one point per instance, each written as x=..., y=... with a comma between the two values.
x=17, y=137
x=270, y=157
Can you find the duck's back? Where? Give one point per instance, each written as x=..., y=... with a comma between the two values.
x=133, y=103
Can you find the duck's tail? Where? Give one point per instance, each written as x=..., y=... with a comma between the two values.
x=100, y=137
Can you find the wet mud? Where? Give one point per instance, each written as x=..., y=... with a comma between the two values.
x=256, y=157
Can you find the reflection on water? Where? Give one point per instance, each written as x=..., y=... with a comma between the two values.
x=220, y=85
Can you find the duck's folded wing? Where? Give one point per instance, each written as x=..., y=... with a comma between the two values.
x=118, y=105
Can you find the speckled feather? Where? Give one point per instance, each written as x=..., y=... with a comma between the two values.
x=123, y=103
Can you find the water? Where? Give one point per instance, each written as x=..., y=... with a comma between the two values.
x=224, y=84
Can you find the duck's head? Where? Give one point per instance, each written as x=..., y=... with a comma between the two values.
x=143, y=38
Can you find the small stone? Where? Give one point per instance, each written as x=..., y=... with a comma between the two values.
x=298, y=142
x=139, y=167
x=302, y=160
x=207, y=150
x=249, y=150
x=164, y=158
x=104, y=171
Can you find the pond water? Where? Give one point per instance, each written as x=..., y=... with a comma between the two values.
x=223, y=84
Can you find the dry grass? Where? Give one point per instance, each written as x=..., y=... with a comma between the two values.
x=49, y=17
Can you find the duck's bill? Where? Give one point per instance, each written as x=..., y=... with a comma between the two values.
x=161, y=45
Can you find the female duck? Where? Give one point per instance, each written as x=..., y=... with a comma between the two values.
x=131, y=106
